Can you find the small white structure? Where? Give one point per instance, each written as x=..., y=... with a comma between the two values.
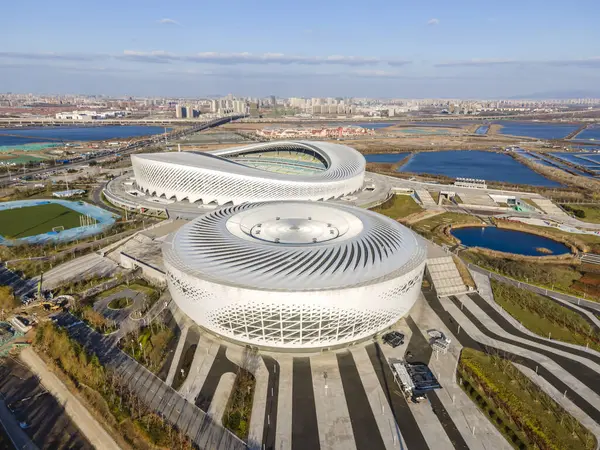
x=470, y=183
x=69, y=193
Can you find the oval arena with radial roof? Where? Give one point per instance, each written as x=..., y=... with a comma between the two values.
x=294, y=275
x=283, y=170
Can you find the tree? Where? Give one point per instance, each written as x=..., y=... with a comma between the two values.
x=8, y=301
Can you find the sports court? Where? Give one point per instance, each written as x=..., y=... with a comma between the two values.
x=43, y=220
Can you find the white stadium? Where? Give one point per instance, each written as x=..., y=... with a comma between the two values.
x=284, y=170
x=295, y=274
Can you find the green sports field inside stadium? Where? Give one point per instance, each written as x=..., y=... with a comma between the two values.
x=31, y=220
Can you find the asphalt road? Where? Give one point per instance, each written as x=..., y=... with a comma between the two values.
x=305, y=431
x=270, y=423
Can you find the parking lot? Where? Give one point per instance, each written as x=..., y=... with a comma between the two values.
x=38, y=413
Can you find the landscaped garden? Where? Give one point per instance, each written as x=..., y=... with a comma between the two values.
x=239, y=407
x=517, y=407
x=545, y=317
x=148, y=345
x=581, y=280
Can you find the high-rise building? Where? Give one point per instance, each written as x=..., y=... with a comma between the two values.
x=240, y=107
x=180, y=111
x=273, y=100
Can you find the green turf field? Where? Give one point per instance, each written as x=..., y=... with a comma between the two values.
x=29, y=221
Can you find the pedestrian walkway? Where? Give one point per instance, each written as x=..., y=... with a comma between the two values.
x=335, y=429
x=219, y=400
x=203, y=360
x=89, y=426
x=550, y=208
x=485, y=290
x=177, y=356
x=445, y=276
x=426, y=199
x=539, y=290
x=283, y=436
x=17, y=436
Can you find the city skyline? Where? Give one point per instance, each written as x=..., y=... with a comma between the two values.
x=334, y=49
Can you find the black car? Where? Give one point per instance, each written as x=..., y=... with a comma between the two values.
x=393, y=338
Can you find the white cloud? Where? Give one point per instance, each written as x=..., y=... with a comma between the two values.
x=167, y=21
x=253, y=58
x=433, y=22
x=592, y=62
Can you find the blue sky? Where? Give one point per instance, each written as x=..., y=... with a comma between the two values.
x=435, y=48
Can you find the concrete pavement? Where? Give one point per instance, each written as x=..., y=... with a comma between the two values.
x=93, y=431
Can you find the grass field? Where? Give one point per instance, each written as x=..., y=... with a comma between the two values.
x=398, y=206
x=29, y=221
x=586, y=213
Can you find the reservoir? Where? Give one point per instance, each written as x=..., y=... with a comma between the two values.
x=475, y=164
x=385, y=157
x=483, y=129
x=19, y=136
x=538, y=130
x=509, y=241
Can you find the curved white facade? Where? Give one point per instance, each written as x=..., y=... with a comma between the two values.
x=294, y=275
x=214, y=177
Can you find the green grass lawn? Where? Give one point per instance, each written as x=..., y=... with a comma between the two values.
x=590, y=213
x=29, y=221
x=544, y=316
x=398, y=206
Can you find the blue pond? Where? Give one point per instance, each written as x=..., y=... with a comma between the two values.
x=476, y=164
x=385, y=157
x=19, y=136
x=482, y=129
x=590, y=133
x=537, y=129
x=509, y=241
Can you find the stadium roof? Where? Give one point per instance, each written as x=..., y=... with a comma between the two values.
x=294, y=246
